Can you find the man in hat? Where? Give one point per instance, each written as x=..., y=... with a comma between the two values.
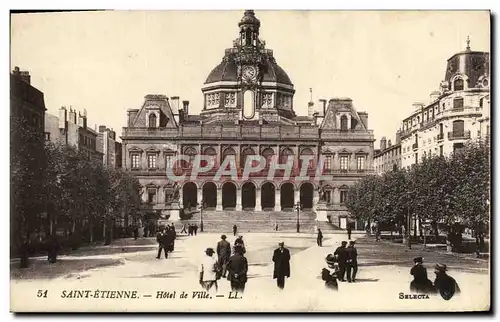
x=237, y=268
x=208, y=270
x=163, y=242
x=349, y=230
x=351, y=262
x=240, y=243
x=223, y=253
x=329, y=275
x=445, y=284
x=420, y=283
x=235, y=230
x=341, y=254
x=281, y=259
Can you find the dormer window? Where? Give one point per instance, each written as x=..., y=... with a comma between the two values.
x=343, y=123
x=152, y=120
x=458, y=84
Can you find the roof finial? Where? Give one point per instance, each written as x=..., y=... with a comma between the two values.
x=468, y=43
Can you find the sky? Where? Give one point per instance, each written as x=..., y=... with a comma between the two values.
x=106, y=62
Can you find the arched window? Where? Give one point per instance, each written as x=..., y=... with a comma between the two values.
x=191, y=153
x=343, y=123
x=268, y=155
x=228, y=153
x=152, y=120
x=285, y=154
x=210, y=153
x=244, y=155
x=458, y=84
x=310, y=153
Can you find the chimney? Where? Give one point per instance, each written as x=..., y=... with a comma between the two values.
x=102, y=128
x=324, y=106
x=24, y=75
x=72, y=115
x=398, y=137
x=113, y=135
x=310, y=109
x=63, y=117
x=364, y=118
x=383, y=143
x=185, y=105
x=389, y=143
x=131, y=114
x=174, y=104
x=81, y=120
x=417, y=107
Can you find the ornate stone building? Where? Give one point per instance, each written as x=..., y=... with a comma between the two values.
x=388, y=157
x=248, y=110
x=458, y=111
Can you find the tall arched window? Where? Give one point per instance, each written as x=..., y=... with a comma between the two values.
x=268, y=155
x=191, y=153
x=152, y=120
x=210, y=153
x=458, y=84
x=244, y=155
x=343, y=123
x=228, y=153
x=307, y=152
x=285, y=153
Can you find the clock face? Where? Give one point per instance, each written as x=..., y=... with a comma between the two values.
x=249, y=72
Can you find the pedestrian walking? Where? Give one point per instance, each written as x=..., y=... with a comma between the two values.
x=420, y=283
x=351, y=262
x=239, y=243
x=237, y=268
x=319, y=239
x=223, y=253
x=184, y=231
x=162, y=240
x=329, y=274
x=136, y=232
x=377, y=232
x=195, y=229
x=281, y=259
x=171, y=239
x=190, y=230
x=445, y=284
x=341, y=254
x=276, y=227
x=235, y=230
x=349, y=231
x=208, y=270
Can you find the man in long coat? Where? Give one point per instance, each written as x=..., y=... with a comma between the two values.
x=281, y=259
x=223, y=253
x=237, y=269
x=341, y=253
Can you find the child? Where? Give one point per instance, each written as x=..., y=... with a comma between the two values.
x=329, y=275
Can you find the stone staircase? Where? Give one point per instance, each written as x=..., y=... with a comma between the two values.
x=258, y=221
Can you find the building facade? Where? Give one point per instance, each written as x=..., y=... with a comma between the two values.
x=388, y=157
x=70, y=128
x=109, y=147
x=248, y=110
x=458, y=112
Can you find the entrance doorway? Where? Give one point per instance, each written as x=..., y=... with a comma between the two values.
x=210, y=195
x=189, y=195
x=228, y=195
x=248, y=196
x=287, y=196
x=306, y=195
x=267, y=195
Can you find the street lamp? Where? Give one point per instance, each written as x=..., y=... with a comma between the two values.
x=298, y=207
x=202, y=205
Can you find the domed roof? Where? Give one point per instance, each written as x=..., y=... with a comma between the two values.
x=227, y=70
x=249, y=19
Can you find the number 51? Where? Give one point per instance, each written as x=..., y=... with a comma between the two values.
x=42, y=293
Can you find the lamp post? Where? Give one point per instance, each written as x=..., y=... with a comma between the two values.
x=202, y=205
x=298, y=207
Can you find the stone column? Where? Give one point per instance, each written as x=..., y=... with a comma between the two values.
x=277, y=200
x=315, y=198
x=258, y=206
x=219, y=200
x=181, y=202
x=199, y=196
x=296, y=197
x=238, y=199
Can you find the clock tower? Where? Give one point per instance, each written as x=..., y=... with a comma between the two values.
x=250, y=64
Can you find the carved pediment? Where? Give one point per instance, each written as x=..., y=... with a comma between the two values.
x=152, y=149
x=326, y=150
x=344, y=151
x=135, y=149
